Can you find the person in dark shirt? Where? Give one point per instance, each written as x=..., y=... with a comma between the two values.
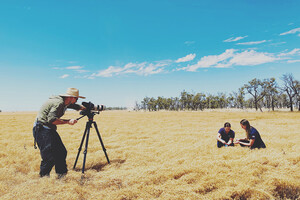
x=253, y=139
x=225, y=136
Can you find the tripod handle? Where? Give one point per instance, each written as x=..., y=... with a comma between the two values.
x=80, y=117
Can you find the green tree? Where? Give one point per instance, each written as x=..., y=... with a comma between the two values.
x=145, y=103
x=199, y=101
x=271, y=92
x=256, y=88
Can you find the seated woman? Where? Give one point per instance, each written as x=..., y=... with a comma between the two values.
x=225, y=136
x=253, y=139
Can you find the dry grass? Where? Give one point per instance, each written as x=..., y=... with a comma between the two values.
x=163, y=155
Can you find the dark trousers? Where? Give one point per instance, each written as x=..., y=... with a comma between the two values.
x=53, y=151
x=220, y=144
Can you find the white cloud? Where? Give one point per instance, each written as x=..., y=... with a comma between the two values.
x=143, y=69
x=74, y=67
x=293, y=61
x=110, y=71
x=277, y=43
x=232, y=39
x=295, y=30
x=186, y=58
x=227, y=59
x=232, y=57
x=64, y=76
x=212, y=61
x=188, y=43
x=295, y=51
x=252, y=58
x=251, y=43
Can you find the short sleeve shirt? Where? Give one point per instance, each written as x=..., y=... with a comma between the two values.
x=226, y=136
x=53, y=109
x=254, y=135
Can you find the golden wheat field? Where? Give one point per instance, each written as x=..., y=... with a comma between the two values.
x=156, y=155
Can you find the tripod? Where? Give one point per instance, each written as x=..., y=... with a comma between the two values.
x=86, y=135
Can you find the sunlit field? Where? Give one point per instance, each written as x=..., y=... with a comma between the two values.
x=156, y=155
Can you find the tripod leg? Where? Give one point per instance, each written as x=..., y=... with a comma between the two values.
x=79, y=149
x=104, y=150
x=89, y=124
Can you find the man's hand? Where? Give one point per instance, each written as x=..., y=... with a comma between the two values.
x=72, y=121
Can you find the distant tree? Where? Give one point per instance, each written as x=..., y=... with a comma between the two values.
x=199, y=101
x=160, y=103
x=298, y=93
x=152, y=104
x=231, y=101
x=137, y=106
x=189, y=101
x=116, y=108
x=249, y=103
x=221, y=100
x=263, y=94
x=290, y=88
x=183, y=99
x=271, y=92
x=282, y=101
x=256, y=88
x=176, y=102
x=208, y=101
x=145, y=103
x=240, y=97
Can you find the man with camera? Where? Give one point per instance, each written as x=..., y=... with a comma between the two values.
x=52, y=149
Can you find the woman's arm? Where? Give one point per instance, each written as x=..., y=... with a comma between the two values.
x=247, y=144
x=241, y=139
x=220, y=139
x=230, y=141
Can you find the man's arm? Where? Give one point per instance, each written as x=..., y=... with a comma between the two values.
x=76, y=106
x=64, y=121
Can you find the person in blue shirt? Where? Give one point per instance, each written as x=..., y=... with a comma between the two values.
x=253, y=139
x=225, y=136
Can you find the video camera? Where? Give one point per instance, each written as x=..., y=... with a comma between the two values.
x=91, y=109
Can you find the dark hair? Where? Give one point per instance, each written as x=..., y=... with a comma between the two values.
x=246, y=123
x=227, y=124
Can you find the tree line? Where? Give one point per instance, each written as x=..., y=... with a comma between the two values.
x=266, y=93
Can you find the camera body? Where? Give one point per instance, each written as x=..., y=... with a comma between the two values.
x=91, y=109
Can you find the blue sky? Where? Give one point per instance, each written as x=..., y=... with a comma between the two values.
x=117, y=52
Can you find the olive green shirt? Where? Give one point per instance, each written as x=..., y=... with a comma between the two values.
x=54, y=108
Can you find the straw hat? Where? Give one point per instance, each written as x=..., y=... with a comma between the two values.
x=72, y=92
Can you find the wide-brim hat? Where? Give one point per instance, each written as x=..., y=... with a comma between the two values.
x=72, y=92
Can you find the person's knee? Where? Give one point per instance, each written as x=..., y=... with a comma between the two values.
x=219, y=144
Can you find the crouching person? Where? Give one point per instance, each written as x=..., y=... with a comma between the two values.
x=225, y=136
x=253, y=139
x=52, y=149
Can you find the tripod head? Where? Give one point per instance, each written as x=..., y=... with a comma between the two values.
x=91, y=110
